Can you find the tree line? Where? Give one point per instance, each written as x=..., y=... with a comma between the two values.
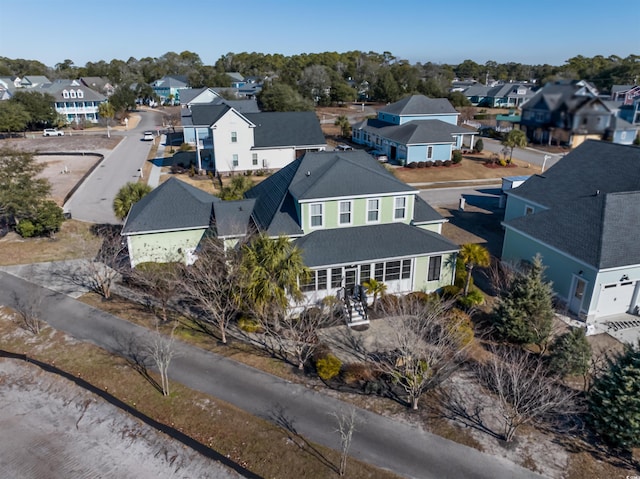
x=388, y=77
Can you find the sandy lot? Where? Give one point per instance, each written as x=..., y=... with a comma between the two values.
x=53, y=429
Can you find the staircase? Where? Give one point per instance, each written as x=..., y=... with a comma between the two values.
x=355, y=311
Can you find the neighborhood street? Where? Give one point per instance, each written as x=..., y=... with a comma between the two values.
x=93, y=200
x=526, y=155
x=378, y=440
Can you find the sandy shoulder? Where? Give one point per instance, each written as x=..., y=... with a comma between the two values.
x=52, y=428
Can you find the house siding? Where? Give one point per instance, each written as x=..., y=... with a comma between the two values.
x=163, y=247
x=419, y=152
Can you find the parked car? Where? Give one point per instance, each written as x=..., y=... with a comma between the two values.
x=52, y=132
x=343, y=147
x=148, y=136
x=380, y=156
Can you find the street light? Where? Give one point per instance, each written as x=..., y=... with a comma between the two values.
x=544, y=162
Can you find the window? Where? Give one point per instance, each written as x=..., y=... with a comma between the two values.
x=316, y=215
x=65, y=94
x=254, y=159
x=429, y=152
x=345, y=212
x=72, y=94
x=235, y=160
x=392, y=271
x=435, y=264
x=528, y=210
x=322, y=279
x=336, y=277
x=234, y=137
x=80, y=94
x=400, y=209
x=406, y=269
x=311, y=285
x=373, y=210
x=365, y=272
x=379, y=272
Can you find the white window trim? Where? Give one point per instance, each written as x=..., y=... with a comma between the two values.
x=311, y=215
x=406, y=205
x=350, y=222
x=234, y=137
x=254, y=159
x=369, y=210
x=431, y=258
x=429, y=152
x=235, y=160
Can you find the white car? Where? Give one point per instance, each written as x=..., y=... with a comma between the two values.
x=380, y=156
x=52, y=132
x=148, y=136
x=343, y=147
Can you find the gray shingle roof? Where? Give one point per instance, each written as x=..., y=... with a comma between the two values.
x=417, y=131
x=423, y=213
x=593, y=196
x=57, y=88
x=174, y=205
x=420, y=105
x=202, y=115
x=369, y=243
x=289, y=128
x=232, y=218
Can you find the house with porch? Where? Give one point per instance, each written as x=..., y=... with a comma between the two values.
x=506, y=95
x=569, y=113
x=583, y=217
x=168, y=88
x=75, y=101
x=229, y=140
x=351, y=218
x=416, y=128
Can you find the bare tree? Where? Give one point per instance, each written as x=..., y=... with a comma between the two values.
x=99, y=271
x=346, y=427
x=425, y=345
x=294, y=337
x=161, y=349
x=211, y=284
x=29, y=309
x=160, y=281
x=524, y=389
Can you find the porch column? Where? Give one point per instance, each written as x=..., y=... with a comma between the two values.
x=198, y=156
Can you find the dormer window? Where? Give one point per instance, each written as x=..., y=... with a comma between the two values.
x=65, y=94
x=72, y=94
x=316, y=215
x=80, y=94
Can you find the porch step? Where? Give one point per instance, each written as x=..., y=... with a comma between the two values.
x=619, y=325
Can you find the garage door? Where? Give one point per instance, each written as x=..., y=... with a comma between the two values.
x=615, y=298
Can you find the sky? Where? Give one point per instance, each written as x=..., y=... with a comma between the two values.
x=423, y=31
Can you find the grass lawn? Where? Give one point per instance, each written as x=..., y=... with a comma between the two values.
x=255, y=444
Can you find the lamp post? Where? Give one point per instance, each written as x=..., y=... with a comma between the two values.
x=544, y=162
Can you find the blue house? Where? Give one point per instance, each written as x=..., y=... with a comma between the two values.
x=168, y=88
x=583, y=217
x=416, y=128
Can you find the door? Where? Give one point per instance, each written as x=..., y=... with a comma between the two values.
x=575, y=302
x=350, y=275
x=615, y=298
x=393, y=153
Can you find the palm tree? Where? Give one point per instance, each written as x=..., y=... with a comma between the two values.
x=515, y=139
x=270, y=270
x=345, y=127
x=376, y=288
x=127, y=196
x=108, y=112
x=472, y=255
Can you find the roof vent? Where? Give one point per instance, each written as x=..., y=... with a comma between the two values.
x=308, y=173
x=597, y=192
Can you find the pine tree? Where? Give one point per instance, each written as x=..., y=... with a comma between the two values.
x=571, y=353
x=524, y=313
x=614, y=400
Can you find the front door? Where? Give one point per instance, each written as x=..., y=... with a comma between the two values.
x=575, y=302
x=350, y=275
x=393, y=153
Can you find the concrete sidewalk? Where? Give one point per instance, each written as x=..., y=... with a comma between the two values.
x=154, y=176
x=381, y=441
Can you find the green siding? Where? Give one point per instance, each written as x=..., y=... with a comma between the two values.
x=163, y=247
x=435, y=227
x=358, y=212
x=446, y=273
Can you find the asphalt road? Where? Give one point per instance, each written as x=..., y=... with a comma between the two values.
x=93, y=200
x=378, y=440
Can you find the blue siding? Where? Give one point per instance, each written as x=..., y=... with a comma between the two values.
x=419, y=153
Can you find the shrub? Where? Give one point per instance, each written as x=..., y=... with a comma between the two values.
x=419, y=296
x=185, y=147
x=450, y=291
x=192, y=171
x=502, y=162
x=474, y=298
x=479, y=146
x=328, y=367
x=421, y=164
x=448, y=163
x=456, y=157
x=357, y=372
x=26, y=229
x=388, y=302
x=428, y=164
x=412, y=165
x=461, y=326
x=437, y=163
x=248, y=325
x=571, y=353
x=177, y=169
